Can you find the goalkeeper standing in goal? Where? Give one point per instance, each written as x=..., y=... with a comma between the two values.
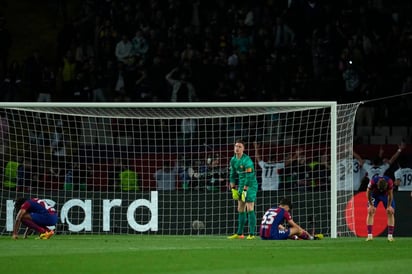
x=242, y=170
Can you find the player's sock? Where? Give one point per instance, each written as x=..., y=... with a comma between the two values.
x=241, y=222
x=391, y=228
x=305, y=236
x=33, y=225
x=252, y=222
x=369, y=228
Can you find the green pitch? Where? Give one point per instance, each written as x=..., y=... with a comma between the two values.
x=202, y=254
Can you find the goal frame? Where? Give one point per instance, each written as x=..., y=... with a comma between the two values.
x=309, y=104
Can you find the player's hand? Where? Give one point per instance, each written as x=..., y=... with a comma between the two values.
x=244, y=195
x=371, y=209
x=235, y=194
x=390, y=210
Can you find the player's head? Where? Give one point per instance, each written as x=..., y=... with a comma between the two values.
x=403, y=161
x=377, y=161
x=239, y=146
x=382, y=185
x=19, y=202
x=285, y=202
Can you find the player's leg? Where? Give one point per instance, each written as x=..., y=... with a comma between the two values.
x=302, y=234
x=251, y=215
x=370, y=218
x=45, y=220
x=391, y=220
x=29, y=231
x=30, y=220
x=242, y=217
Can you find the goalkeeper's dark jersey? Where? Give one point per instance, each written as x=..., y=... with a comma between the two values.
x=243, y=171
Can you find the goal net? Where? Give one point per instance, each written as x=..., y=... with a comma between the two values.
x=162, y=168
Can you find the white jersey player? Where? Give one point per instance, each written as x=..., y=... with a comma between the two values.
x=270, y=171
x=351, y=174
x=378, y=167
x=403, y=179
x=270, y=175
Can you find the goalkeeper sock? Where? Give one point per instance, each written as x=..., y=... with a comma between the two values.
x=252, y=222
x=241, y=222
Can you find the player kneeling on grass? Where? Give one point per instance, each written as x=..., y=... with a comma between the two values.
x=37, y=215
x=271, y=227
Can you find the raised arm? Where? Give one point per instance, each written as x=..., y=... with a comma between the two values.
x=397, y=153
x=257, y=152
x=358, y=157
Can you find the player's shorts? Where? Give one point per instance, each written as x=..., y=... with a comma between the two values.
x=44, y=219
x=277, y=235
x=251, y=193
x=376, y=199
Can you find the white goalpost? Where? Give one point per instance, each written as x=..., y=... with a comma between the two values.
x=162, y=168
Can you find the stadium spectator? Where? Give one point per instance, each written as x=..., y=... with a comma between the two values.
x=128, y=179
x=12, y=84
x=326, y=35
x=244, y=187
x=67, y=71
x=188, y=128
x=284, y=37
x=182, y=89
x=297, y=173
x=140, y=45
x=5, y=46
x=166, y=177
x=272, y=225
x=25, y=176
x=319, y=173
x=185, y=172
x=11, y=174
x=124, y=50
x=4, y=130
x=37, y=215
x=380, y=189
x=215, y=174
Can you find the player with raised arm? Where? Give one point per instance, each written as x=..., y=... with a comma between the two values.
x=37, y=215
x=271, y=227
x=242, y=170
x=378, y=167
x=270, y=174
x=380, y=189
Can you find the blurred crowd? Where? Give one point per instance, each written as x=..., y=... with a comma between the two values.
x=221, y=50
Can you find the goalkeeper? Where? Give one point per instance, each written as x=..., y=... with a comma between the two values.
x=242, y=170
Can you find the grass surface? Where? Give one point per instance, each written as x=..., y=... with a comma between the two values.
x=202, y=254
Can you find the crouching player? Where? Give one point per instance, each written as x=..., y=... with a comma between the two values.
x=37, y=215
x=271, y=227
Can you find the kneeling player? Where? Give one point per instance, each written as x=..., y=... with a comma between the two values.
x=271, y=227
x=37, y=215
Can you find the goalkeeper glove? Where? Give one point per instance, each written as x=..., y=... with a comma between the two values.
x=235, y=194
x=244, y=195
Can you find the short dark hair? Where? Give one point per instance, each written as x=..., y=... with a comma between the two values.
x=19, y=202
x=382, y=185
x=286, y=202
x=240, y=141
